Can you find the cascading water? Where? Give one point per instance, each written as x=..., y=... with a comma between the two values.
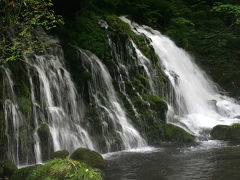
x=55, y=102
x=104, y=97
x=13, y=117
x=199, y=105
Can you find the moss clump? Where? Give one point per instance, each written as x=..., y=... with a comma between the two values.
x=60, y=154
x=234, y=133
x=60, y=169
x=8, y=167
x=175, y=133
x=23, y=173
x=92, y=158
x=220, y=132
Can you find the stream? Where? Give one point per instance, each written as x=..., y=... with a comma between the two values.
x=205, y=160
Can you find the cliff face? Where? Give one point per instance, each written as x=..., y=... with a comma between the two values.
x=68, y=97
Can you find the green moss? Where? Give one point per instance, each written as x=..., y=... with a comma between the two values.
x=220, y=132
x=61, y=169
x=117, y=25
x=143, y=80
x=60, y=154
x=158, y=104
x=23, y=173
x=175, y=133
x=92, y=158
x=8, y=167
x=25, y=104
x=43, y=132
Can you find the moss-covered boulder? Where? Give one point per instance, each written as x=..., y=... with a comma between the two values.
x=23, y=173
x=175, y=133
x=220, y=132
x=7, y=168
x=60, y=169
x=60, y=154
x=234, y=133
x=90, y=157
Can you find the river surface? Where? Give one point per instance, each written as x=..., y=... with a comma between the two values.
x=206, y=160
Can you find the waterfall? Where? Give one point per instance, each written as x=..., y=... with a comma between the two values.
x=198, y=104
x=13, y=117
x=105, y=98
x=56, y=103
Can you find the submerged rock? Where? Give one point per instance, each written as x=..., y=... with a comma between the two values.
x=60, y=154
x=220, y=132
x=175, y=133
x=92, y=158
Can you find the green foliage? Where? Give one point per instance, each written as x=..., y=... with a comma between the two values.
x=19, y=27
x=175, y=133
x=60, y=169
x=92, y=158
x=8, y=167
x=23, y=173
x=83, y=31
x=60, y=154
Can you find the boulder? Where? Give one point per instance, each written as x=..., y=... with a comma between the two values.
x=175, y=133
x=234, y=133
x=220, y=132
x=60, y=154
x=92, y=158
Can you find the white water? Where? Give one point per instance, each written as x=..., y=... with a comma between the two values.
x=199, y=104
x=104, y=96
x=13, y=117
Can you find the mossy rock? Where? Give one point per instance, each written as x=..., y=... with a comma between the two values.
x=8, y=167
x=159, y=105
x=220, y=132
x=45, y=141
x=43, y=132
x=92, y=158
x=23, y=173
x=234, y=133
x=175, y=133
x=60, y=169
x=60, y=154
